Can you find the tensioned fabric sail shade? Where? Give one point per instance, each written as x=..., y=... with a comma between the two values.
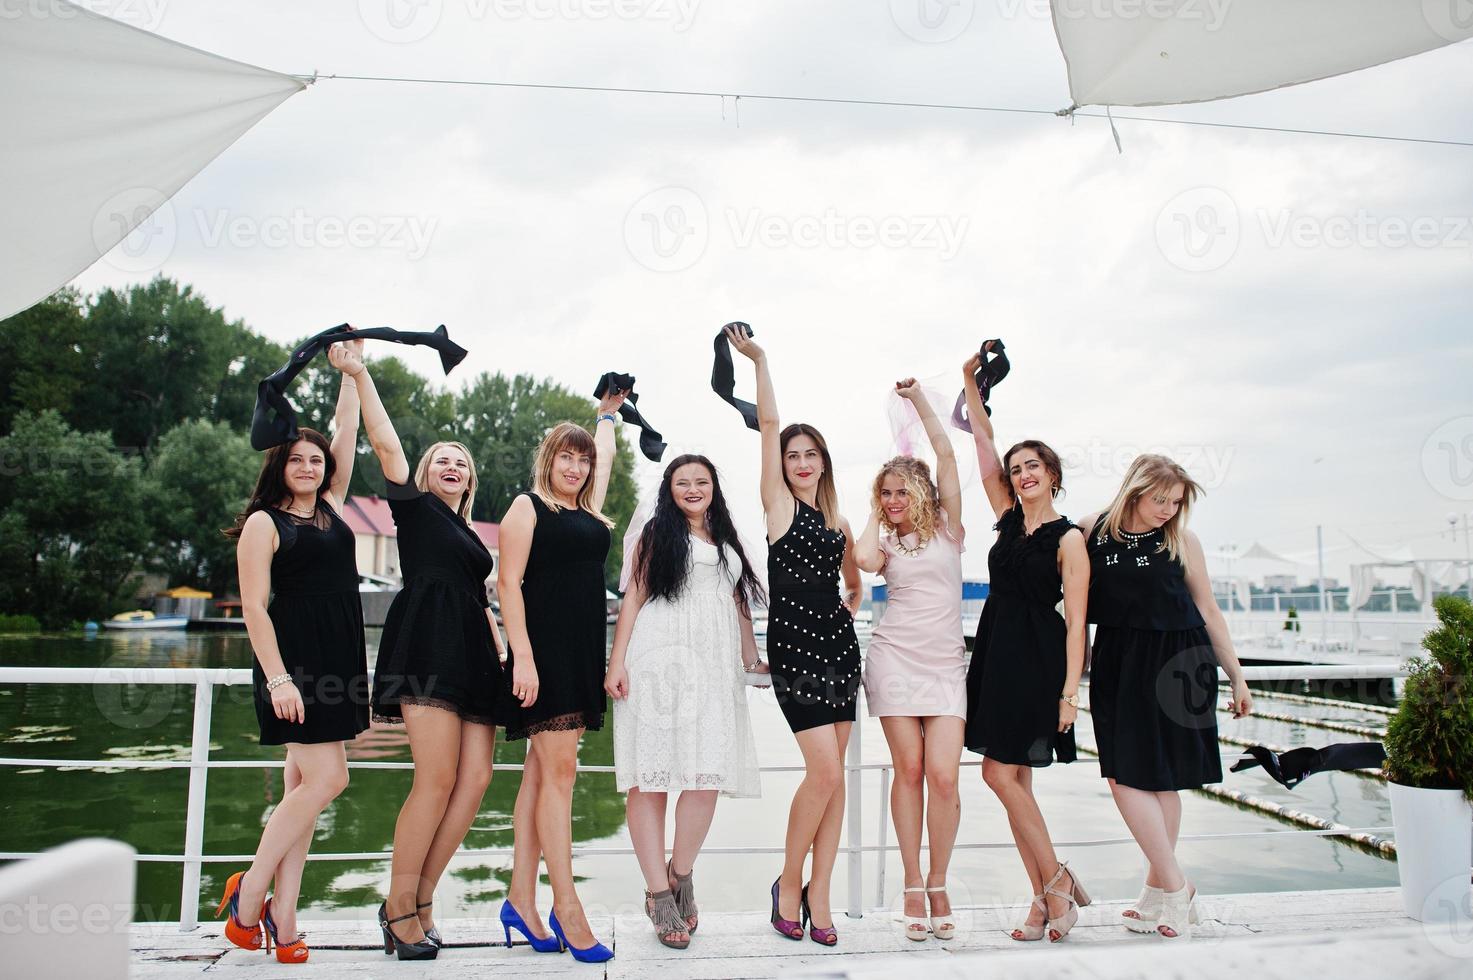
x=100, y=124
x=1159, y=52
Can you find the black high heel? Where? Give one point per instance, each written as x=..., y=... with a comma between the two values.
x=432, y=934
x=393, y=944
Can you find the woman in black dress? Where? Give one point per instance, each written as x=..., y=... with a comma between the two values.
x=1153, y=681
x=310, y=673
x=1023, y=681
x=812, y=651
x=438, y=670
x=554, y=541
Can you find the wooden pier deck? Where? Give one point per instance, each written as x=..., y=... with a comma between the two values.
x=1344, y=934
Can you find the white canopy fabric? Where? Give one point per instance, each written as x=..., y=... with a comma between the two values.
x=1160, y=52
x=102, y=123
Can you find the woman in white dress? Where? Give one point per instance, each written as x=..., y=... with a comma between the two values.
x=682, y=648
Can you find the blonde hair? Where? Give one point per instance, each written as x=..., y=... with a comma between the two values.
x=1155, y=475
x=925, y=499
x=422, y=477
x=828, y=494
x=571, y=436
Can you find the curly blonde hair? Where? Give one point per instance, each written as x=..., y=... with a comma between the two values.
x=925, y=499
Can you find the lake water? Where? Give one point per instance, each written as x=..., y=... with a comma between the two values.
x=44, y=807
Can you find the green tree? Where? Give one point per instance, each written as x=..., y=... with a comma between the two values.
x=252, y=357
x=1429, y=741
x=72, y=528
x=199, y=478
x=503, y=419
x=43, y=359
x=158, y=356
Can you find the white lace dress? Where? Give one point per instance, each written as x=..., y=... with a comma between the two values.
x=685, y=724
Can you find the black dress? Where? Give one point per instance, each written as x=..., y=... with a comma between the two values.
x=811, y=647
x=1019, y=658
x=318, y=620
x=567, y=624
x=437, y=649
x=1153, y=682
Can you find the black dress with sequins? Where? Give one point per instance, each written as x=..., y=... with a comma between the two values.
x=811, y=646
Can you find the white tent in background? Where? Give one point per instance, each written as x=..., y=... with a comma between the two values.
x=1173, y=51
x=102, y=123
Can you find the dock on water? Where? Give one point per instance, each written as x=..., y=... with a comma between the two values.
x=1345, y=934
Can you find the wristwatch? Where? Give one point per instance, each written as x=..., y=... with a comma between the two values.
x=1072, y=700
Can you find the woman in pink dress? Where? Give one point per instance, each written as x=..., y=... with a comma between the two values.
x=915, y=671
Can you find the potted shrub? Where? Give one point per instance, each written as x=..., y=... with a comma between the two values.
x=1291, y=621
x=1429, y=768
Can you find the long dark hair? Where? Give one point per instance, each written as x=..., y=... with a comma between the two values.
x=664, y=544
x=271, y=487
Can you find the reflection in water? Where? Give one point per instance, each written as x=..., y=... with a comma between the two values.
x=45, y=807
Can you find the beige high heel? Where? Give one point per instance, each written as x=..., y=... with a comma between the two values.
x=1143, y=915
x=1178, y=912
x=1076, y=896
x=946, y=928
x=1031, y=934
x=915, y=925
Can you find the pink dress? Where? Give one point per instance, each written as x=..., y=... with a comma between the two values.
x=916, y=664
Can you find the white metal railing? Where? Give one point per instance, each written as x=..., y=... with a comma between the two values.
x=199, y=764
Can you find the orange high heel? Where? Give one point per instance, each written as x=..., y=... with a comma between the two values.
x=292, y=952
x=246, y=937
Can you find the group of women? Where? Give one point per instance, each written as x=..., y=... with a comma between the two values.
x=684, y=652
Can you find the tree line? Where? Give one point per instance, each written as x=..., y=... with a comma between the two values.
x=124, y=448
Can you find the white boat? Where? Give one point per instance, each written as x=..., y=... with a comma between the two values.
x=142, y=619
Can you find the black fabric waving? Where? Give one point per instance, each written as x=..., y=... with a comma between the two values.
x=723, y=376
x=1290, y=768
x=651, y=443
x=274, y=421
x=991, y=372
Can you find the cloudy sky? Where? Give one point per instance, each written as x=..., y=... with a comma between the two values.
x=1249, y=302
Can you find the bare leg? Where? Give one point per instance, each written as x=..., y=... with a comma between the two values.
x=527, y=846
x=907, y=801
x=1029, y=830
x=645, y=813
x=943, y=748
x=694, y=811
x=472, y=776
x=323, y=770
x=823, y=776
x=1171, y=811
x=557, y=754
x=826, y=843
x=1146, y=818
x=434, y=741
x=286, y=888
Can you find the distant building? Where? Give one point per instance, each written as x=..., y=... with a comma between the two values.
x=1280, y=583
x=378, y=539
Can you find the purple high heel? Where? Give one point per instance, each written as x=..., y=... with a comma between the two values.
x=824, y=937
x=787, y=928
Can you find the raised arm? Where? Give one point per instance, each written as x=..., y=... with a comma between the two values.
x=867, y=552
x=1074, y=565
x=606, y=445
x=989, y=463
x=347, y=357
x=253, y=552
x=777, y=500
x=516, y=545
x=1240, y=701
x=948, y=482
x=380, y=431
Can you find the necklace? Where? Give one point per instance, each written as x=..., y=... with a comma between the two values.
x=1137, y=535
x=909, y=552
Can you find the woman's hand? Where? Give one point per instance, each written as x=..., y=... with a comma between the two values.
x=616, y=682
x=908, y=389
x=761, y=669
x=286, y=701
x=1241, y=701
x=610, y=402
x=852, y=602
x=347, y=357
x=524, y=681
x=1068, y=714
x=744, y=344
x=971, y=366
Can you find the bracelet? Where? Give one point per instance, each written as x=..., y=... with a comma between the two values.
x=277, y=681
x=1071, y=700
x=751, y=668
x=606, y=415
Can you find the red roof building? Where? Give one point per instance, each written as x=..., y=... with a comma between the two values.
x=378, y=539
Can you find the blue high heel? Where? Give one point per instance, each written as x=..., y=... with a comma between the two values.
x=597, y=953
x=511, y=919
